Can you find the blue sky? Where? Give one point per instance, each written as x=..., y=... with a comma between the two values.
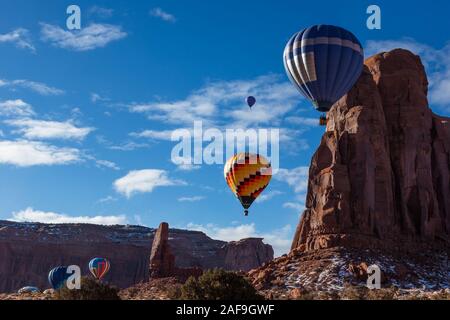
x=86, y=116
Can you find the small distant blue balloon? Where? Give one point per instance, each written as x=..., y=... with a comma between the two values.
x=251, y=100
x=57, y=277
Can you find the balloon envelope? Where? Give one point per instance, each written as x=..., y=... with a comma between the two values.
x=57, y=277
x=251, y=100
x=247, y=175
x=99, y=267
x=323, y=62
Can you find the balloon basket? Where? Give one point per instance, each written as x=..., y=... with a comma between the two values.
x=245, y=212
x=323, y=120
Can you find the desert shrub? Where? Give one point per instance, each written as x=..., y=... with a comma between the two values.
x=91, y=289
x=351, y=292
x=218, y=284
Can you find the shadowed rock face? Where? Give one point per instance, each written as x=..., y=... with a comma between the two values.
x=29, y=250
x=247, y=253
x=380, y=176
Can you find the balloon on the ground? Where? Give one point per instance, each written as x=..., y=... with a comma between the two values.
x=57, y=277
x=323, y=62
x=251, y=100
x=28, y=289
x=247, y=175
x=99, y=267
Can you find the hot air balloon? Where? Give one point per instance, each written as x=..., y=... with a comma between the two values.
x=99, y=267
x=247, y=175
x=251, y=100
x=323, y=62
x=58, y=276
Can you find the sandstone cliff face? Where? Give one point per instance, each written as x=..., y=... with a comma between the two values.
x=247, y=254
x=380, y=176
x=29, y=250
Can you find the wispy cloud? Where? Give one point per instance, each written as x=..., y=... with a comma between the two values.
x=95, y=97
x=163, y=15
x=24, y=153
x=222, y=103
x=101, y=12
x=38, y=87
x=20, y=38
x=16, y=107
x=154, y=134
x=294, y=205
x=268, y=195
x=107, y=164
x=41, y=129
x=107, y=199
x=187, y=167
x=31, y=215
x=280, y=239
x=142, y=181
x=128, y=146
x=297, y=178
x=88, y=38
x=191, y=199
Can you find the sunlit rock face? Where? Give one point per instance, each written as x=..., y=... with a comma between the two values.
x=380, y=176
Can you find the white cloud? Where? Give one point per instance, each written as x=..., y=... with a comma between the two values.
x=31, y=215
x=20, y=38
x=426, y=52
x=187, y=167
x=25, y=153
x=95, y=97
x=141, y=181
x=294, y=205
x=191, y=199
x=268, y=195
x=107, y=199
x=15, y=108
x=88, y=38
x=279, y=239
x=38, y=87
x=41, y=129
x=128, y=146
x=296, y=178
x=107, y=164
x=222, y=103
x=153, y=134
x=163, y=15
x=101, y=12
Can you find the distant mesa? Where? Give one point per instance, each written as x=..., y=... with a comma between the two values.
x=29, y=250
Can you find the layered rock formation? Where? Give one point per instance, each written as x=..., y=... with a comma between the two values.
x=247, y=254
x=378, y=193
x=29, y=250
x=381, y=175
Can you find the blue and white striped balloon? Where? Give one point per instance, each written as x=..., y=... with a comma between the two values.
x=323, y=62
